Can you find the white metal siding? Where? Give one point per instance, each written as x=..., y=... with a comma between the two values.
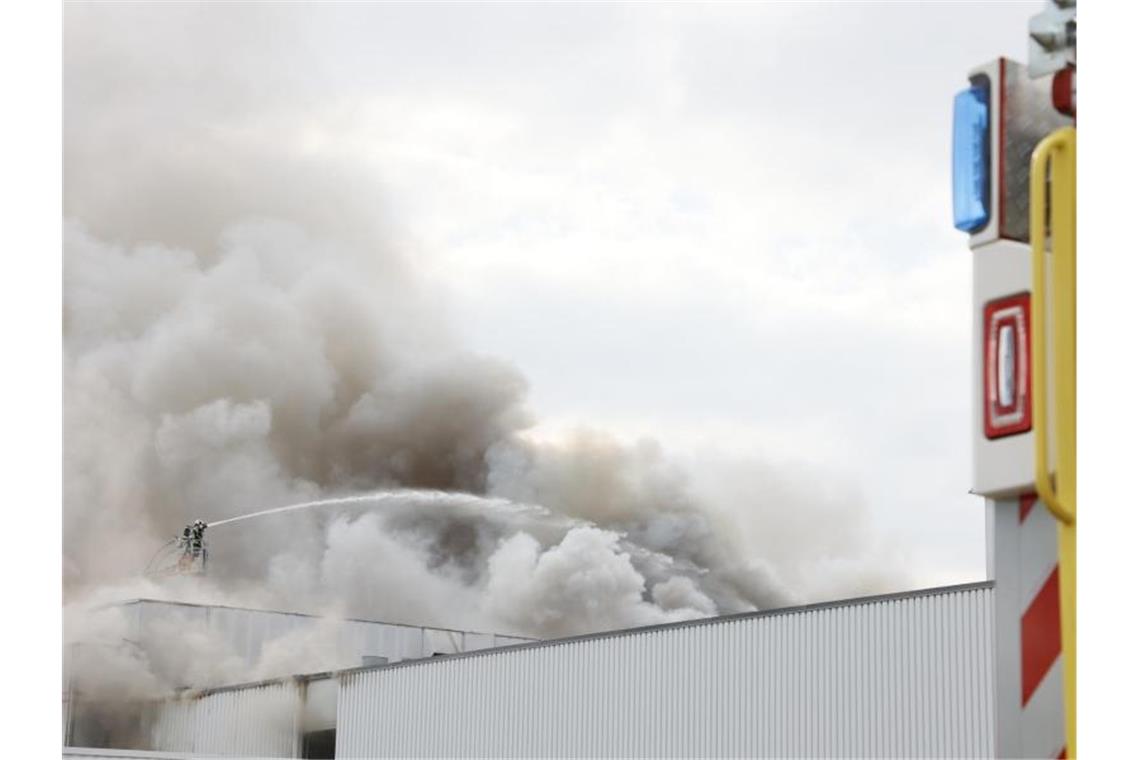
x=902, y=676
x=260, y=721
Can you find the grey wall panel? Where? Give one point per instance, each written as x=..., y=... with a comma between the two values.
x=259, y=721
x=151, y=615
x=174, y=724
x=896, y=676
x=442, y=642
x=473, y=642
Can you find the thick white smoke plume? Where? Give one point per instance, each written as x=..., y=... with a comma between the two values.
x=243, y=329
x=272, y=373
x=275, y=371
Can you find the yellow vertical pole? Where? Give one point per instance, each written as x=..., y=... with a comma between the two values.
x=1057, y=153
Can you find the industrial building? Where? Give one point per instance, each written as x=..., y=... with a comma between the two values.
x=975, y=670
x=908, y=674
x=241, y=636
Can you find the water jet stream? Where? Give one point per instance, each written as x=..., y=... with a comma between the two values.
x=433, y=497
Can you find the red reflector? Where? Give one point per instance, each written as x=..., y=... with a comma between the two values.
x=1064, y=97
x=1005, y=367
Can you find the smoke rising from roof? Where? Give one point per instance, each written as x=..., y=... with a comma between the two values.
x=245, y=329
x=269, y=374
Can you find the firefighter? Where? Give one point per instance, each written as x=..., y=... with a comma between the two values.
x=193, y=543
x=197, y=537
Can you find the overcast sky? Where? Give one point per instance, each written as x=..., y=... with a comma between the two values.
x=724, y=227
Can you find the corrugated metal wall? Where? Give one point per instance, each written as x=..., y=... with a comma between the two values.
x=895, y=676
x=258, y=721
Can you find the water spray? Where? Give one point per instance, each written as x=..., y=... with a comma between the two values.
x=192, y=551
x=427, y=496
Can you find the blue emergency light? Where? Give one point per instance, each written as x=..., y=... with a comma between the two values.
x=971, y=159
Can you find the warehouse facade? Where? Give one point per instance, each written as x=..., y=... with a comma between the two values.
x=242, y=636
x=907, y=674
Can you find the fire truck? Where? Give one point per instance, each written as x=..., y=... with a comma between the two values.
x=1014, y=190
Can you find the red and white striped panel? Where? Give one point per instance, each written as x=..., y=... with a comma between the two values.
x=1042, y=672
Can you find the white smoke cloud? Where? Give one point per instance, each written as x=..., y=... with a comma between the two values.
x=243, y=329
x=585, y=583
x=235, y=393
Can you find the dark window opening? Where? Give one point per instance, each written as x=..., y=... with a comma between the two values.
x=319, y=744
